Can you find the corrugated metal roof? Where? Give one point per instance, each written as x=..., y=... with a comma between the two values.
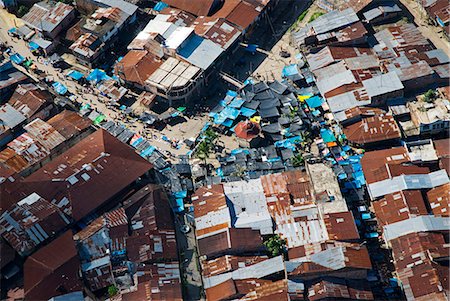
x=46, y=17
x=30, y=222
x=44, y=133
x=403, y=182
x=426, y=223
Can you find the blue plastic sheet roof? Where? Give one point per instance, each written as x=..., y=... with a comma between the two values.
x=97, y=75
x=327, y=135
x=247, y=112
x=314, y=102
x=180, y=205
x=33, y=46
x=237, y=103
x=59, y=88
x=148, y=151
x=137, y=141
x=230, y=113
x=12, y=30
x=76, y=75
x=240, y=150
x=251, y=47
x=160, y=6
x=289, y=143
x=290, y=70
x=228, y=123
x=232, y=93
x=17, y=58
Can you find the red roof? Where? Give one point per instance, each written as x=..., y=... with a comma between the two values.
x=247, y=130
x=235, y=240
x=341, y=226
x=89, y=174
x=137, y=66
x=53, y=270
x=198, y=7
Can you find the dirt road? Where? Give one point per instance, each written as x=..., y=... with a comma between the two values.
x=429, y=31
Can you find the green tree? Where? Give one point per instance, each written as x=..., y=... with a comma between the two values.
x=298, y=160
x=22, y=11
x=112, y=290
x=203, y=150
x=275, y=245
x=429, y=96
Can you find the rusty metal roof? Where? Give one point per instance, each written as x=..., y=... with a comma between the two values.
x=338, y=288
x=439, y=199
x=88, y=174
x=31, y=222
x=28, y=99
x=399, y=206
x=160, y=281
x=69, y=123
x=231, y=240
x=341, y=226
x=374, y=163
x=378, y=127
x=420, y=276
x=137, y=66
x=218, y=30
x=47, y=17
x=228, y=263
x=44, y=133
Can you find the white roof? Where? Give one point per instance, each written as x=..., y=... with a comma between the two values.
x=203, y=55
x=249, y=205
x=335, y=81
x=404, y=182
x=423, y=223
x=161, y=27
x=178, y=36
x=342, y=102
x=382, y=84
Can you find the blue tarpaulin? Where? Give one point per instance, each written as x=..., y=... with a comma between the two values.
x=228, y=123
x=205, y=127
x=137, y=141
x=289, y=70
x=240, y=150
x=17, y=58
x=180, y=205
x=314, y=102
x=247, y=112
x=160, y=6
x=251, y=48
x=148, y=151
x=365, y=216
x=289, y=143
x=237, y=103
x=12, y=30
x=76, y=75
x=232, y=93
x=33, y=46
x=59, y=88
x=97, y=75
x=327, y=135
